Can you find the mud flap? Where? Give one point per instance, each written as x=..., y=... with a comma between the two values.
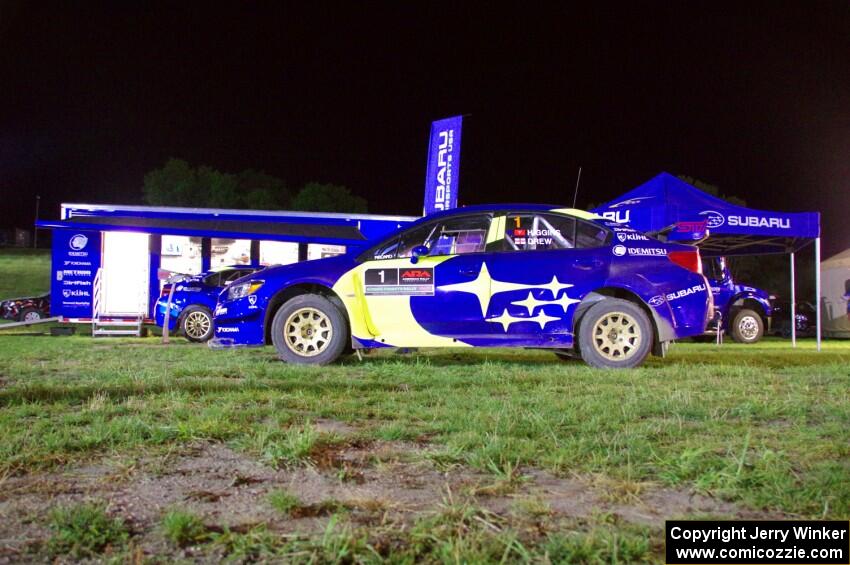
x=228, y=343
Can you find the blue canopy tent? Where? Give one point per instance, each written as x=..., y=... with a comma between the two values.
x=667, y=203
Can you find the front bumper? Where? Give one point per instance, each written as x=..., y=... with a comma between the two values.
x=238, y=323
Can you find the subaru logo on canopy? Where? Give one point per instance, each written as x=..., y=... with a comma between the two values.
x=713, y=219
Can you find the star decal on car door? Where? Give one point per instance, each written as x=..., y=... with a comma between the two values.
x=485, y=286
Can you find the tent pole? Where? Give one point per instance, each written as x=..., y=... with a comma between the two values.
x=817, y=289
x=793, y=305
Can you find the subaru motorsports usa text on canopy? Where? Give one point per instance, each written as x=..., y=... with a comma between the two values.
x=481, y=276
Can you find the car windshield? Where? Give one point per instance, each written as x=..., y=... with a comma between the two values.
x=448, y=236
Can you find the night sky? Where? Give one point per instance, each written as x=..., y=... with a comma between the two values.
x=754, y=99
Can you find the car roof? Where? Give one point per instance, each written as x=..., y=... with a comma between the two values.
x=510, y=207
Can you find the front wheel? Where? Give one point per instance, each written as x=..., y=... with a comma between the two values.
x=309, y=330
x=196, y=323
x=747, y=326
x=615, y=334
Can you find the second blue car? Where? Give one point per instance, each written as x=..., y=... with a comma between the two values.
x=194, y=300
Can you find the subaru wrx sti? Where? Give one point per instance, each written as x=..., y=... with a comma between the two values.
x=530, y=276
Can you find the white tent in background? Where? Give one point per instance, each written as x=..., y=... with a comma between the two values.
x=835, y=274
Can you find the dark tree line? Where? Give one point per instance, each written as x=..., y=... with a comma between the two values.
x=177, y=183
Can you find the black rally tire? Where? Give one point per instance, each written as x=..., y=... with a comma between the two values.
x=313, y=314
x=33, y=313
x=624, y=321
x=196, y=323
x=747, y=326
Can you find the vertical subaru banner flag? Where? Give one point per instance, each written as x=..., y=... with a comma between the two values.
x=441, y=177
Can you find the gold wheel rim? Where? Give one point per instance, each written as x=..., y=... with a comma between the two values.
x=616, y=336
x=308, y=332
x=197, y=324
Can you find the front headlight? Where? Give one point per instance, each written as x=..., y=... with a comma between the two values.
x=242, y=290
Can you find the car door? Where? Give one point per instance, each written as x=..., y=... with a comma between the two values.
x=548, y=262
x=435, y=299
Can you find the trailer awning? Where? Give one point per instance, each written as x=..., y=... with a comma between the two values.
x=234, y=229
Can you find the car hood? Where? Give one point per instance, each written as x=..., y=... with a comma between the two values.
x=312, y=268
x=322, y=271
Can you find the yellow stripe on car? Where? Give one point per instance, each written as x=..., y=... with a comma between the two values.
x=387, y=318
x=583, y=214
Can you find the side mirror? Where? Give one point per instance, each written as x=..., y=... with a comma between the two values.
x=417, y=252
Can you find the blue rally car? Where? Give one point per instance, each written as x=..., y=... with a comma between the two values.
x=745, y=311
x=482, y=276
x=194, y=299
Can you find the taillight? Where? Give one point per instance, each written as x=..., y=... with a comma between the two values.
x=690, y=259
x=165, y=290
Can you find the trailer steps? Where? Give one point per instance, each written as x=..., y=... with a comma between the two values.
x=103, y=326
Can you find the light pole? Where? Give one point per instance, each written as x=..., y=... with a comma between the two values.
x=35, y=231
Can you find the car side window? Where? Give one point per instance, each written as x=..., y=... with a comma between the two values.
x=228, y=277
x=452, y=236
x=590, y=235
x=538, y=232
x=213, y=280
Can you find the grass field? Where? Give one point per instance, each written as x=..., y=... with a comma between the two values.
x=127, y=450
x=749, y=430
x=24, y=272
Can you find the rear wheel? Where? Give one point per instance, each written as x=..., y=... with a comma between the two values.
x=615, y=334
x=30, y=315
x=196, y=323
x=309, y=329
x=747, y=326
